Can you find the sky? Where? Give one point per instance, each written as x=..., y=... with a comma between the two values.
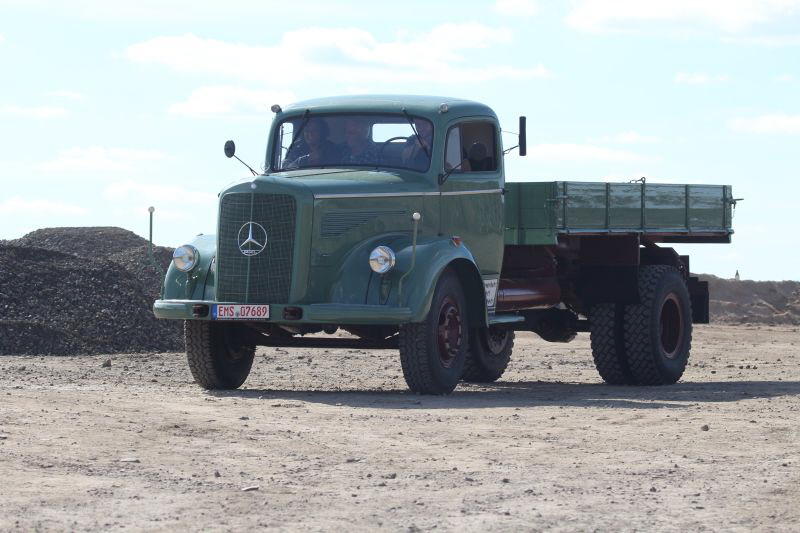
x=107, y=108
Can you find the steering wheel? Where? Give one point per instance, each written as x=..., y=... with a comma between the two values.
x=386, y=143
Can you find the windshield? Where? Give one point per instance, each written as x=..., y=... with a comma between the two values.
x=369, y=140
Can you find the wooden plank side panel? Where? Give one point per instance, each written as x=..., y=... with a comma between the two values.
x=706, y=207
x=625, y=205
x=664, y=207
x=536, y=212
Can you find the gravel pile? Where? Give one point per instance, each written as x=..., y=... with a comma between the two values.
x=759, y=302
x=67, y=291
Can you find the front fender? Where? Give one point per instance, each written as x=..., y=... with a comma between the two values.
x=404, y=286
x=432, y=258
x=199, y=283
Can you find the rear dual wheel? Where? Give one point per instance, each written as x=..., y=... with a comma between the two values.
x=647, y=343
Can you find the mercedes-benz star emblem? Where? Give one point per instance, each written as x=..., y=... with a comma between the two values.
x=252, y=238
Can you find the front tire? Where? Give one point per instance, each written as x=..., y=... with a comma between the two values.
x=433, y=352
x=489, y=354
x=658, y=331
x=218, y=358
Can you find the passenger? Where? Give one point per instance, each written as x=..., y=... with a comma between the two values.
x=417, y=153
x=319, y=150
x=358, y=148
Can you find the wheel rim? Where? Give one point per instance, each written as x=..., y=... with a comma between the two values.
x=496, y=339
x=234, y=351
x=671, y=322
x=449, y=332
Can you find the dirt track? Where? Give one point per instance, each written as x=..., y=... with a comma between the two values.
x=333, y=442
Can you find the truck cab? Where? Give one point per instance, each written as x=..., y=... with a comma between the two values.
x=390, y=217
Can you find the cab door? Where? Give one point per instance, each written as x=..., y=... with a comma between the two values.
x=472, y=194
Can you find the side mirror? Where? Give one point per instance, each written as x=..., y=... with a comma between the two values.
x=230, y=149
x=523, y=137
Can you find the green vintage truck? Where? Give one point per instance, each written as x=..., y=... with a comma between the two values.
x=390, y=217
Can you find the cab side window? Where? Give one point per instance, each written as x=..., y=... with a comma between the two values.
x=471, y=147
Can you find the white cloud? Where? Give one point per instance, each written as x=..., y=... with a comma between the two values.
x=516, y=8
x=628, y=137
x=581, y=152
x=98, y=158
x=347, y=55
x=766, y=124
x=228, y=100
x=772, y=41
x=35, y=111
x=700, y=78
x=155, y=194
x=785, y=78
x=685, y=15
x=22, y=206
x=69, y=95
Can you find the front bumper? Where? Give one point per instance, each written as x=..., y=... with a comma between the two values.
x=336, y=314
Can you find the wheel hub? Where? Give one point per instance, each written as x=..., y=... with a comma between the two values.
x=450, y=332
x=671, y=322
x=496, y=339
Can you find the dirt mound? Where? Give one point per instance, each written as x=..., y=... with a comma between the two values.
x=746, y=301
x=82, y=290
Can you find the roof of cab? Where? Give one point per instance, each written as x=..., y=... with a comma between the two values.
x=391, y=103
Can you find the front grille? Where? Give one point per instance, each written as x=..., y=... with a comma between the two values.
x=264, y=277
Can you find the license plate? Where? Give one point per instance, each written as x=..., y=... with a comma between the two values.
x=240, y=312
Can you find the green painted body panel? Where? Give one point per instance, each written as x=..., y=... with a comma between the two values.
x=536, y=213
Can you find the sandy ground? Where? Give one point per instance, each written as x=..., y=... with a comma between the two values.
x=330, y=440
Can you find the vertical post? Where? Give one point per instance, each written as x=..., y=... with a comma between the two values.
x=156, y=266
x=415, y=217
x=686, y=193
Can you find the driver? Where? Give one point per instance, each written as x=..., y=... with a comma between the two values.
x=358, y=148
x=320, y=151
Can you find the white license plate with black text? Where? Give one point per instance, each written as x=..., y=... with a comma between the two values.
x=240, y=312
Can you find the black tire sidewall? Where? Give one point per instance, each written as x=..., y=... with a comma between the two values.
x=671, y=282
x=488, y=364
x=446, y=377
x=231, y=368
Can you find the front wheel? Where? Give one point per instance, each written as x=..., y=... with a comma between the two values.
x=489, y=354
x=433, y=352
x=218, y=357
x=658, y=331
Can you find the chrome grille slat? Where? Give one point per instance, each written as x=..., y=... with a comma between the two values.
x=267, y=276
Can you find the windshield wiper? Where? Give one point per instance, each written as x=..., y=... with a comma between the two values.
x=296, y=136
x=414, y=129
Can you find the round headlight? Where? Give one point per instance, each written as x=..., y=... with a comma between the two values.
x=381, y=259
x=185, y=257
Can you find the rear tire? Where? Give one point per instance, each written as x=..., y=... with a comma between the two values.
x=658, y=331
x=489, y=354
x=218, y=358
x=433, y=352
x=608, y=346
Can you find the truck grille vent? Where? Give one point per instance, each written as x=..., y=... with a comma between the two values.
x=264, y=277
x=337, y=223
